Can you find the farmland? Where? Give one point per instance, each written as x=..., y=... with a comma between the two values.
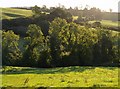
x=107, y=23
x=75, y=76
x=10, y=13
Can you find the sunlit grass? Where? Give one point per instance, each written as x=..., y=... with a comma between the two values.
x=108, y=23
x=61, y=77
x=10, y=13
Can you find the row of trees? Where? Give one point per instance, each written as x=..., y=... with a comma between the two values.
x=39, y=18
x=66, y=44
x=87, y=14
x=43, y=19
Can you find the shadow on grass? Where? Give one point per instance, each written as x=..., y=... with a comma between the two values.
x=30, y=70
x=13, y=15
x=47, y=70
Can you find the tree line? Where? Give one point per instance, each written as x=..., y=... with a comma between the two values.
x=66, y=44
x=43, y=18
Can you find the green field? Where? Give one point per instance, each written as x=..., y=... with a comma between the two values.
x=107, y=23
x=60, y=77
x=10, y=13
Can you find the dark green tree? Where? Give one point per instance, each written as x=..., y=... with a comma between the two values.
x=36, y=10
x=55, y=31
x=59, y=12
x=33, y=44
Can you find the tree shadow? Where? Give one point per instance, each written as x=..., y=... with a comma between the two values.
x=48, y=70
x=13, y=15
x=58, y=70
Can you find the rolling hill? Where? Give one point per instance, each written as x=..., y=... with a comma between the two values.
x=11, y=13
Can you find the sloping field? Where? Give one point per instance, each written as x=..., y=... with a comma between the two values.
x=11, y=13
x=60, y=77
x=108, y=23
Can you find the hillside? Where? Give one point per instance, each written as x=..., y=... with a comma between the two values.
x=52, y=50
x=11, y=13
x=75, y=76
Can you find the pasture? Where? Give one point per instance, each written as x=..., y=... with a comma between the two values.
x=11, y=13
x=107, y=23
x=75, y=76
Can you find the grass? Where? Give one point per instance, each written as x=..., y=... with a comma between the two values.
x=107, y=23
x=11, y=13
x=60, y=77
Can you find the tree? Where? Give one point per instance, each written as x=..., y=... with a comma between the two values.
x=44, y=9
x=44, y=24
x=34, y=41
x=59, y=12
x=67, y=42
x=105, y=51
x=87, y=38
x=36, y=48
x=36, y=10
x=11, y=53
x=85, y=13
x=55, y=31
x=71, y=47
x=107, y=46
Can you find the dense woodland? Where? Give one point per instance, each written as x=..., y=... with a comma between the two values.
x=51, y=38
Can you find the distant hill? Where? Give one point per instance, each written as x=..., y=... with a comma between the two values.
x=11, y=13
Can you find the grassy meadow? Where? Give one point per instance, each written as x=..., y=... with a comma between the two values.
x=75, y=76
x=107, y=23
x=11, y=13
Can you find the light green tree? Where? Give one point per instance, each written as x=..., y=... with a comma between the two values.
x=10, y=50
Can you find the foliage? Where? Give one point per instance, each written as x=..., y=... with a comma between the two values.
x=59, y=12
x=35, y=47
x=89, y=15
x=36, y=10
x=68, y=44
x=11, y=53
x=69, y=41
